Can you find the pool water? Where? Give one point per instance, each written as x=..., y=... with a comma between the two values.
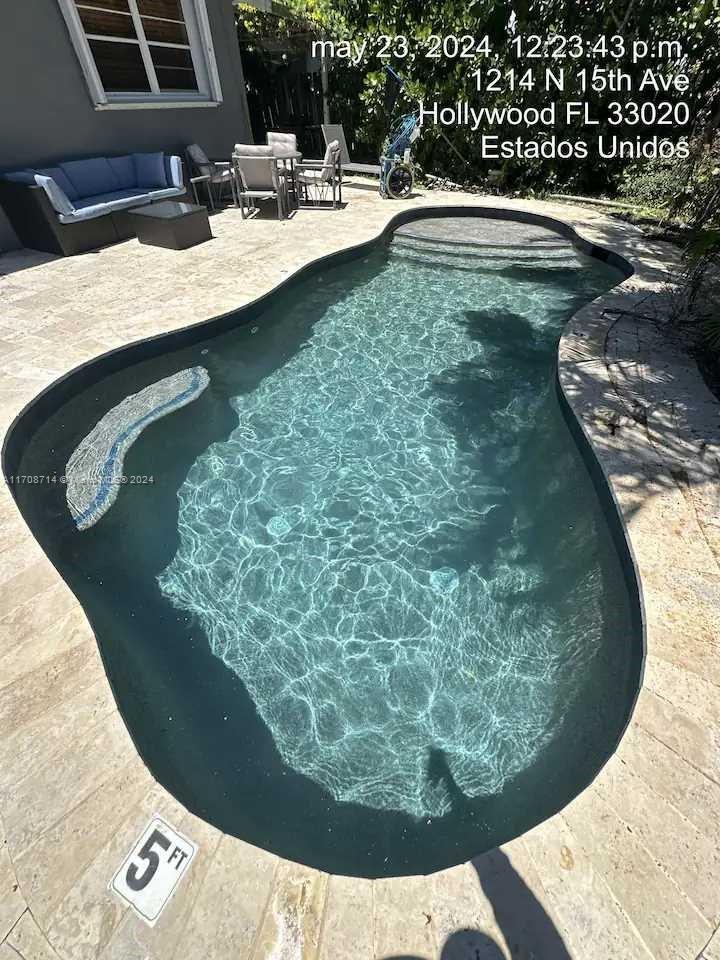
x=371, y=613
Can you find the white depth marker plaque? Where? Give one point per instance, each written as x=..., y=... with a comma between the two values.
x=153, y=869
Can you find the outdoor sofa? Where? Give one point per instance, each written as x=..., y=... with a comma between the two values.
x=81, y=205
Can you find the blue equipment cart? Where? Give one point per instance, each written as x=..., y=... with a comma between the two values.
x=397, y=175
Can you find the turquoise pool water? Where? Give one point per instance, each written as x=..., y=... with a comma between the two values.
x=370, y=612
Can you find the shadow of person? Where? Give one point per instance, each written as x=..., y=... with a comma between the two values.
x=463, y=944
x=470, y=945
x=529, y=932
x=438, y=771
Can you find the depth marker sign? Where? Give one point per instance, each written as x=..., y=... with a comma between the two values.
x=153, y=869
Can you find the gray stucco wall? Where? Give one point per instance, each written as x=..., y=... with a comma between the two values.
x=46, y=113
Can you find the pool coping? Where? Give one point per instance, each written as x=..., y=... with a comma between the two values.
x=584, y=342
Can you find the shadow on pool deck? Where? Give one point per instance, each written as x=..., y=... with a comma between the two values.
x=528, y=931
x=527, y=928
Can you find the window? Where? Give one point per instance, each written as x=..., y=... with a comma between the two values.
x=144, y=52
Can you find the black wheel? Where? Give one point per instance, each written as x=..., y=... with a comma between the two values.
x=399, y=181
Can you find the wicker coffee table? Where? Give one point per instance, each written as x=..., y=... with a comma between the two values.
x=170, y=224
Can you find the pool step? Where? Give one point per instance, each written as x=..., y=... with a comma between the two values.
x=480, y=230
x=473, y=256
x=459, y=244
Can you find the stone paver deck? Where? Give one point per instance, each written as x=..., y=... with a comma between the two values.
x=630, y=870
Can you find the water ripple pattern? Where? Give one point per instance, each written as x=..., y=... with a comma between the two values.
x=358, y=550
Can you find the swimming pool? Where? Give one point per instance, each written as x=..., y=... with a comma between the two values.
x=364, y=604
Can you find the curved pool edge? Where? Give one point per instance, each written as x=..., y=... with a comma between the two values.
x=590, y=834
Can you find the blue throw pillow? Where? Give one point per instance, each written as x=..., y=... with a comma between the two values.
x=60, y=178
x=150, y=169
x=124, y=169
x=90, y=177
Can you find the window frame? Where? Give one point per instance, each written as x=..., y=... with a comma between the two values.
x=202, y=52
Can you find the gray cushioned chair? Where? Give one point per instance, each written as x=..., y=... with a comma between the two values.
x=257, y=177
x=215, y=174
x=317, y=179
x=285, y=148
x=282, y=142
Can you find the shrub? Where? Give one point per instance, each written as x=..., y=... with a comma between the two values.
x=654, y=183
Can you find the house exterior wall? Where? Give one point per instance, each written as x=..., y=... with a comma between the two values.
x=46, y=113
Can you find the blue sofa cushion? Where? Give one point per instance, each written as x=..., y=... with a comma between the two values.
x=61, y=179
x=20, y=176
x=104, y=203
x=108, y=198
x=150, y=169
x=57, y=196
x=174, y=171
x=90, y=177
x=41, y=178
x=124, y=169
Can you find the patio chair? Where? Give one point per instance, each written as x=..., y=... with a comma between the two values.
x=213, y=173
x=317, y=178
x=282, y=141
x=334, y=131
x=284, y=147
x=257, y=177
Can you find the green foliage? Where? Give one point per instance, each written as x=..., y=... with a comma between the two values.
x=697, y=291
x=700, y=197
x=706, y=244
x=654, y=183
x=697, y=25
x=703, y=266
x=711, y=332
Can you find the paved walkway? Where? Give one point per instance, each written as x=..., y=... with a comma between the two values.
x=630, y=870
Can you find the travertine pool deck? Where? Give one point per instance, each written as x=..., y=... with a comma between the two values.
x=630, y=870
